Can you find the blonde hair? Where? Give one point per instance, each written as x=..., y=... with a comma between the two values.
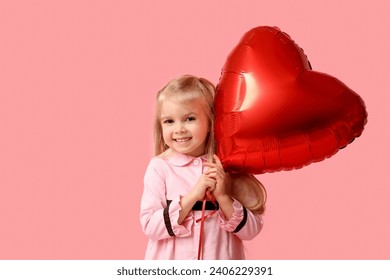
x=187, y=88
x=248, y=190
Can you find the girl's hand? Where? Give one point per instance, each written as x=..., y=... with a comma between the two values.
x=216, y=171
x=222, y=188
x=204, y=183
x=197, y=193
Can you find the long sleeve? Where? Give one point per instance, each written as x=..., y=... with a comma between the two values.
x=159, y=218
x=244, y=224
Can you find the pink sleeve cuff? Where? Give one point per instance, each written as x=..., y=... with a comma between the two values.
x=235, y=220
x=184, y=229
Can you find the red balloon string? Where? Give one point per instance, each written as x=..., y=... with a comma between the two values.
x=201, y=229
x=207, y=196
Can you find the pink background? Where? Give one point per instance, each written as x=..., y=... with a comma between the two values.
x=77, y=87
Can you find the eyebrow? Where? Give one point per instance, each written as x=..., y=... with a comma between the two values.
x=186, y=115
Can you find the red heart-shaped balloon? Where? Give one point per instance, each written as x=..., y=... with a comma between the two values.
x=272, y=112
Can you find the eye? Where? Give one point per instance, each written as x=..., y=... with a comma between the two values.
x=190, y=118
x=167, y=121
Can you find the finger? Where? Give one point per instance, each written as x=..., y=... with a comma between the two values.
x=219, y=170
x=216, y=173
x=210, y=170
x=211, y=188
x=210, y=181
x=221, y=173
x=212, y=175
x=209, y=164
x=218, y=161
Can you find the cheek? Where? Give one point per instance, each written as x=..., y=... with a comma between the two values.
x=165, y=133
x=205, y=130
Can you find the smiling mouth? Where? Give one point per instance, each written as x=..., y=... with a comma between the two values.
x=183, y=140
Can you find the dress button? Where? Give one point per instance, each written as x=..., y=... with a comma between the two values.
x=196, y=162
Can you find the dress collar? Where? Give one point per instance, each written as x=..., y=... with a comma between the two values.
x=179, y=159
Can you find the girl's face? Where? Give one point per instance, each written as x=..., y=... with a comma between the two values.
x=185, y=127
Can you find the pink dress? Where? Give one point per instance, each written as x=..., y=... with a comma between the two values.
x=168, y=179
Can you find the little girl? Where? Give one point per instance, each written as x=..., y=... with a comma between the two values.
x=184, y=170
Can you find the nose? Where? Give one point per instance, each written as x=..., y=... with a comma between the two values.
x=180, y=128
